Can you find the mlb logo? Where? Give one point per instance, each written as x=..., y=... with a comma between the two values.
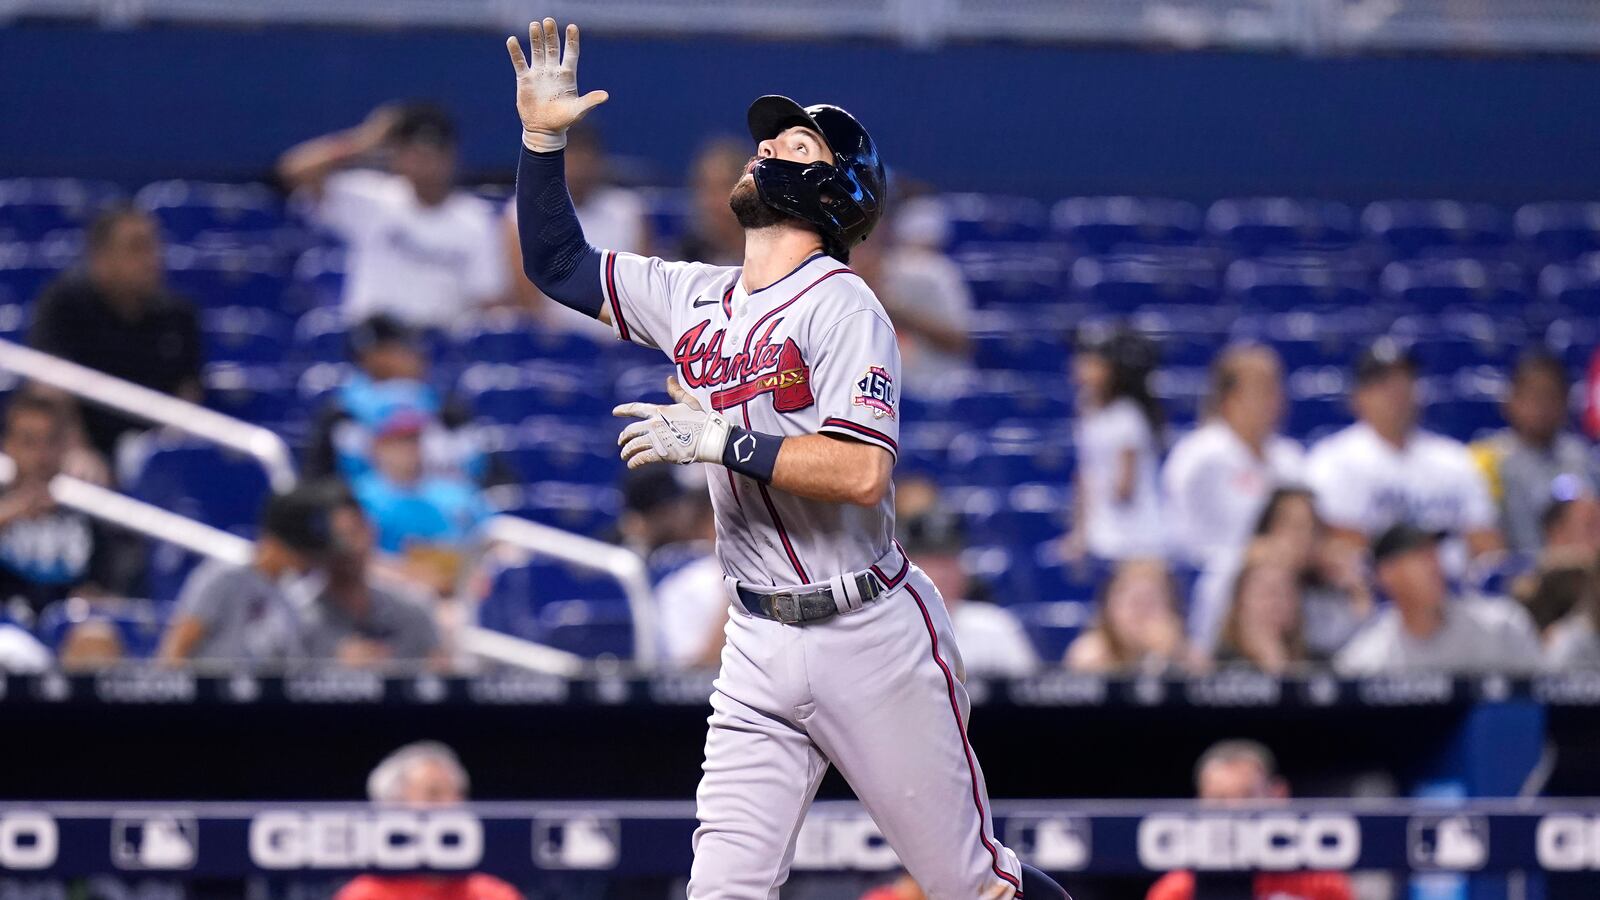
x=1053, y=843
x=1448, y=843
x=160, y=841
x=577, y=842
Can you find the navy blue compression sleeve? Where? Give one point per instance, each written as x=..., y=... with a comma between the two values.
x=555, y=256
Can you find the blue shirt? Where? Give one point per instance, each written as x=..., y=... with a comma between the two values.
x=432, y=511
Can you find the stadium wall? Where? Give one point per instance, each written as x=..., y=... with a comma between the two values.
x=135, y=105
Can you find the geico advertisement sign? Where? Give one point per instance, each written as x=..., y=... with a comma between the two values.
x=395, y=839
x=1568, y=843
x=1270, y=842
x=28, y=840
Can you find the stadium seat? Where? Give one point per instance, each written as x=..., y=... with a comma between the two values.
x=1306, y=281
x=213, y=279
x=191, y=210
x=317, y=278
x=984, y=218
x=589, y=629
x=1409, y=228
x=31, y=208
x=194, y=479
x=1256, y=225
x=1058, y=581
x=1574, y=287
x=564, y=451
x=997, y=396
x=585, y=509
x=1435, y=285
x=139, y=623
x=1319, y=401
x=255, y=393
x=505, y=393
x=244, y=335
x=1014, y=454
x=1123, y=284
x=1020, y=351
x=519, y=596
x=1009, y=276
x=321, y=336
x=1182, y=392
x=1103, y=224
x=1052, y=625
x=514, y=339
x=23, y=272
x=1559, y=231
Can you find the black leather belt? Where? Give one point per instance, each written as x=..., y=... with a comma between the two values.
x=811, y=605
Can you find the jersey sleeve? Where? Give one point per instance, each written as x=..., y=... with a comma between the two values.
x=641, y=292
x=856, y=380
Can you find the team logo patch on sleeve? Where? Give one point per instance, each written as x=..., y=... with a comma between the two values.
x=875, y=391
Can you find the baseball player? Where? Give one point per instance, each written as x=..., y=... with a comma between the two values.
x=839, y=650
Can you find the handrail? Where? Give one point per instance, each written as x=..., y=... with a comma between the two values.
x=622, y=564
x=262, y=444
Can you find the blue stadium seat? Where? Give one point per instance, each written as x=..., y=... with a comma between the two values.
x=1014, y=454
x=1052, y=625
x=227, y=278
x=244, y=334
x=321, y=336
x=589, y=629
x=1005, y=395
x=317, y=279
x=193, y=479
x=568, y=451
x=1102, y=224
x=1012, y=275
x=1559, y=231
x=14, y=321
x=1319, y=401
x=255, y=393
x=547, y=601
x=1435, y=285
x=1124, y=284
x=1020, y=351
x=514, y=339
x=1575, y=287
x=1283, y=284
x=586, y=509
x=1182, y=392
x=667, y=213
x=1257, y=225
x=505, y=393
x=1058, y=581
x=31, y=208
x=985, y=218
x=191, y=210
x=139, y=623
x=1409, y=228
x=23, y=273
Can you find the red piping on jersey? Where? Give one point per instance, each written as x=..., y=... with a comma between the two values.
x=727, y=296
x=783, y=533
x=966, y=748
x=863, y=430
x=890, y=584
x=611, y=291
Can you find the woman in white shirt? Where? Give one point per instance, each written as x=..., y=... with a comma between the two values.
x=1117, y=504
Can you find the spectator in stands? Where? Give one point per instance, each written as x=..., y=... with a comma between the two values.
x=667, y=519
x=1137, y=626
x=612, y=217
x=992, y=641
x=422, y=775
x=714, y=235
x=1219, y=476
x=91, y=645
x=1384, y=469
x=356, y=621
x=419, y=248
x=1265, y=628
x=1553, y=594
x=1335, y=596
x=244, y=613
x=427, y=518
x=1574, y=641
x=1117, y=505
x=49, y=552
x=1234, y=772
x=1424, y=628
x=1523, y=461
x=1570, y=527
x=1562, y=575
x=923, y=291
x=392, y=373
x=117, y=316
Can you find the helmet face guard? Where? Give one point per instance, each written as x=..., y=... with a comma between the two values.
x=843, y=199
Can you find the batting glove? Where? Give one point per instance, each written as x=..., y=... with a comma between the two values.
x=681, y=432
x=547, y=88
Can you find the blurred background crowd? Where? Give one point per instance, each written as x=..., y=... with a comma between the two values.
x=1141, y=435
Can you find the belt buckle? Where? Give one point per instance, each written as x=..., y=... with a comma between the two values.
x=785, y=607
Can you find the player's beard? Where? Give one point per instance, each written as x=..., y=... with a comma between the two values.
x=753, y=212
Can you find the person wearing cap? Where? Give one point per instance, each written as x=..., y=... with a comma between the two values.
x=244, y=614
x=993, y=641
x=411, y=508
x=419, y=247
x=1537, y=459
x=1424, y=628
x=1385, y=469
x=667, y=519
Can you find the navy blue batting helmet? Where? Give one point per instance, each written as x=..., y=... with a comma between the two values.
x=844, y=199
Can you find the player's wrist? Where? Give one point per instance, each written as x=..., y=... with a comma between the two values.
x=751, y=453
x=544, y=141
x=713, y=439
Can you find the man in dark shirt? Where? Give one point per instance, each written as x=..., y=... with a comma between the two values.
x=48, y=553
x=118, y=316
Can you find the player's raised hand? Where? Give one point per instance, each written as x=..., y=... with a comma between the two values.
x=547, y=87
x=681, y=432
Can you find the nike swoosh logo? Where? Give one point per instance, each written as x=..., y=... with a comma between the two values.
x=699, y=303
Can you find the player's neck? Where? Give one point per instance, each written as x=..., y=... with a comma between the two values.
x=771, y=253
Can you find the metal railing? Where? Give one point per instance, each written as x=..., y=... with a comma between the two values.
x=1310, y=26
x=136, y=401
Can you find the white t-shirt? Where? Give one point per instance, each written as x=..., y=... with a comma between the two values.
x=1116, y=529
x=1478, y=635
x=1216, y=488
x=1366, y=484
x=424, y=264
x=689, y=605
x=992, y=642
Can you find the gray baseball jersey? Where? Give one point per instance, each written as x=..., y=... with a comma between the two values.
x=811, y=353
x=876, y=691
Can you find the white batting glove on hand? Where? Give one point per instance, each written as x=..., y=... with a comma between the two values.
x=547, y=89
x=680, y=432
